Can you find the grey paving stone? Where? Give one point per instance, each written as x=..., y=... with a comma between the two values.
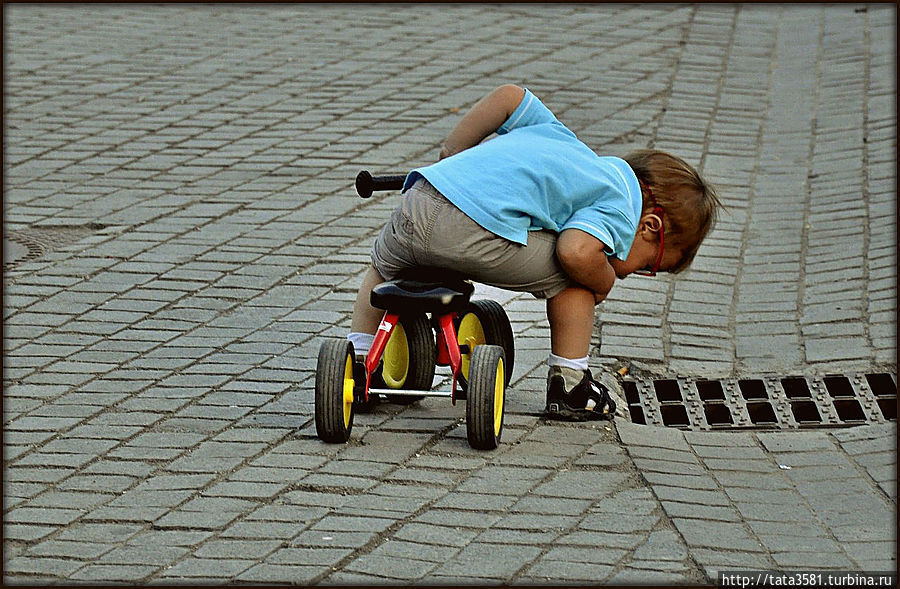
x=623, y=524
x=169, y=538
x=432, y=534
x=581, y=484
x=274, y=573
x=143, y=555
x=411, y=550
x=557, y=571
x=392, y=567
x=555, y=505
x=506, y=561
x=309, y=538
x=700, y=497
x=700, y=482
x=73, y=550
x=774, y=512
x=662, y=545
x=43, y=515
x=663, y=454
x=727, y=535
x=795, y=441
x=202, y=520
x=237, y=548
x=205, y=568
x=779, y=543
x=812, y=560
x=630, y=576
x=56, y=567
x=751, y=480
x=702, y=512
x=113, y=573
x=635, y=435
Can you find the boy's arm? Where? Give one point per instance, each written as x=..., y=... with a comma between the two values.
x=583, y=257
x=483, y=118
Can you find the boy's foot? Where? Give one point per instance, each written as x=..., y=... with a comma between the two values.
x=586, y=400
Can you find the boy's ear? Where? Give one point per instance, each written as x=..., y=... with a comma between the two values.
x=651, y=222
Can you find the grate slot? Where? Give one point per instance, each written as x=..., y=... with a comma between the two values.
x=839, y=386
x=795, y=387
x=753, y=389
x=718, y=414
x=882, y=385
x=888, y=408
x=674, y=415
x=762, y=413
x=710, y=390
x=849, y=410
x=637, y=414
x=805, y=412
x=667, y=391
x=631, y=393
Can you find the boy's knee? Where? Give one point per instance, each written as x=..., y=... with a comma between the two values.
x=576, y=250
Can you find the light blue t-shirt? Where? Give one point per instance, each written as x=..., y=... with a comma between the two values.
x=536, y=174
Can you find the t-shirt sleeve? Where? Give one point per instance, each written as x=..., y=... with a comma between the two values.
x=531, y=111
x=608, y=224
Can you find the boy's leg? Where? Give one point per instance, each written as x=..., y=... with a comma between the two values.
x=572, y=393
x=366, y=318
x=571, y=317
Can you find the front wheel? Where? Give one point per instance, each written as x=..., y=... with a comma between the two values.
x=486, y=397
x=334, y=391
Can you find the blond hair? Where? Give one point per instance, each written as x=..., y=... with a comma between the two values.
x=690, y=203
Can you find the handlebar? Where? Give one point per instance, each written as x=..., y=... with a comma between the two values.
x=366, y=183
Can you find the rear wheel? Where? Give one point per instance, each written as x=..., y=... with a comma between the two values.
x=486, y=398
x=485, y=322
x=334, y=391
x=409, y=358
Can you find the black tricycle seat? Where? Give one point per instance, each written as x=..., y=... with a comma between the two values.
x=423, y=293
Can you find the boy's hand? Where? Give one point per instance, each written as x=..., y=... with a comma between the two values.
x=483, y=118
x=583, y=257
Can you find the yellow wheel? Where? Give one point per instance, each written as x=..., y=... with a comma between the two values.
x=409, y=358
x=334, y=391
x=485, y=322
x=396, y=359
x=469, y=333
x=486, y=397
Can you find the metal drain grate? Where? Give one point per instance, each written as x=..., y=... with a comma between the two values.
x=765, y=402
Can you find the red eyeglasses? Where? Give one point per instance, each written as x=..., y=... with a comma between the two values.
x=658, y=211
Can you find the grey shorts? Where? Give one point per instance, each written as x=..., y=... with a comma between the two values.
x=427, y=230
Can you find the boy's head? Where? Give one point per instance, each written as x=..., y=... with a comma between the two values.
x=690, y=205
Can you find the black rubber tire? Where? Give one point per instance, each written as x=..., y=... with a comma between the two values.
x=334, y=417
x=486, y=398
x=421, y=354
x=497, y=329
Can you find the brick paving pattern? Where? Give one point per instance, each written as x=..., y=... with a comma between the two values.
x=183, y=233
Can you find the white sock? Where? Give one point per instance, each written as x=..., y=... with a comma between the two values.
x=362, y=342
x=573, y=363
x=572, y=369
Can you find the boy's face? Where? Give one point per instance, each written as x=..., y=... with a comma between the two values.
x=645, y=250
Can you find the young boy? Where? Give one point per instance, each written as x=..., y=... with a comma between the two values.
x=536, y=210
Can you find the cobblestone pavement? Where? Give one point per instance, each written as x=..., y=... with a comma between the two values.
x=182, y=233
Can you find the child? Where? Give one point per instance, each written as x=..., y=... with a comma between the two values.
x=536, y=210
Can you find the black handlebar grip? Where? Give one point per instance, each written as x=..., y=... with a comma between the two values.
x=366, y=183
